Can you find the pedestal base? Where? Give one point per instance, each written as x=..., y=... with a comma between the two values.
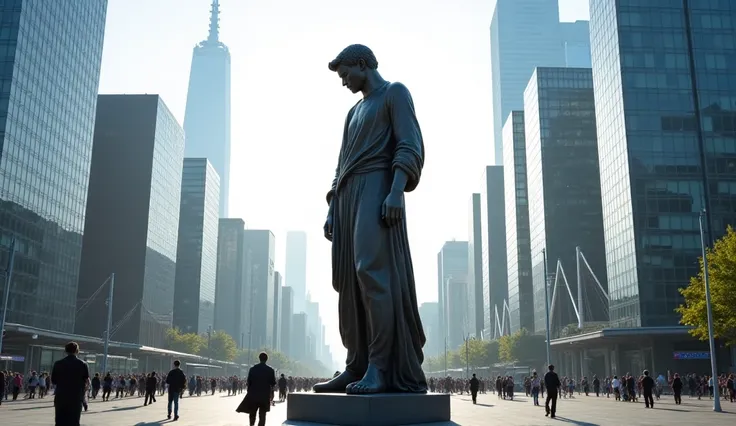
x=387, y=409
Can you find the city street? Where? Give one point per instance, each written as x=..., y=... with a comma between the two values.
x=219, y=410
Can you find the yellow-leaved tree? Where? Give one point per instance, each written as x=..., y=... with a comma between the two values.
x=722, y=278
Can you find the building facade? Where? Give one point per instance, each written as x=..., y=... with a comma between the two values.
x=296, y=267
x=576, y=43
x=299, y=337
x=564, y=192
x=665, y=93
x=452, y=262
x=495, y=267
x=475, y=266
x=260, y=247
x=430, y=322
x=277, y=318
x=518, y=249
x=132, y=230
x=287, y=314
x=207, y=115
x=196, y=254
x=231, y=290
x=458, y=321
x=45, y=151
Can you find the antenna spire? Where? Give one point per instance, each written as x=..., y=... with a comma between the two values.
x=214, y=22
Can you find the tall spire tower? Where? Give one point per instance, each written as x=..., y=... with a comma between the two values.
x=207, y=116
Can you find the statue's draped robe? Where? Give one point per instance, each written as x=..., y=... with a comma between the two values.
x=371, y=262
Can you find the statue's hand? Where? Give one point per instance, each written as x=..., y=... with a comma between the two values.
x=328, y=227
x=392, y=211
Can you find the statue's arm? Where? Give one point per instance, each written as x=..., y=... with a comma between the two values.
x=409, y=149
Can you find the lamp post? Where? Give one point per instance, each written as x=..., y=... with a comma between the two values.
x=445, y=356
x=6, y=294
x=546, y=303
x=709, y=309
x=467, y=357
x=106, y=347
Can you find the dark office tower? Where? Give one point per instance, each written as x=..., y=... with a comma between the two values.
x=576, y=43
x=196, y=254
x=296, y=267
x=260, y=245
x=521, y=286
x=452, y=262
x=457, y=309
x=664, y=78
x=495, y=268
x=475, y=266
x=299, y=337
x=132, y=218
x=525, y=34
x=276, y=340
x=45, y=151
x=429, y=315
x=564, y=189
x=231, y=302
x=287, y=314
x=207, y=115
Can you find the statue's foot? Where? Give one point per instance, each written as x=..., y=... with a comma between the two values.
x=372, y=382
x=337, y=384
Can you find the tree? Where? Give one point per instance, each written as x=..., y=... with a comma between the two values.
x=189, y=343
x=219, y=346
x=522, y=346
x=506, y=348
x=722, y=277
x=492, y=352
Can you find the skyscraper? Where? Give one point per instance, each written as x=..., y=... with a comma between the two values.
x=665, y=101
x=276, y=339
x=428, y=312
x=475, y=266
x=207, y=115
x=525, y=34
x=46, y=150
x=296, y=267
x=457, y=311
x=518, y=250
x=564, y=189
x=132, y=230
x=260, y=247
x=299, y=337
x=576, y=43
x=495, y=267
x=196, y=254
x=452, y=262
x=232, y=311
x=287, y=314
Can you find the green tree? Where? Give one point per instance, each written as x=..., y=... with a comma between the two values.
x=220, y=346
x=522, y=346
x=506, y=350
x=190, y=343
x=722, y=275
x=492, y=353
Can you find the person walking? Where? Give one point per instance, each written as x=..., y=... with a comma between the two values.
x=647, y=385
x=474, y=386
x=261, y=382
x=177, y=382
x=552, y=383
x=151, y=382
x=70, y=376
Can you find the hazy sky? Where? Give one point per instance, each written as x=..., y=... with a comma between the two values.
x=288, y=109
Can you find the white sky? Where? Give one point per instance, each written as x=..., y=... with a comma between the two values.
x=288, y=109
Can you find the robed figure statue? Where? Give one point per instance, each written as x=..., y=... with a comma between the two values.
x=381, y=158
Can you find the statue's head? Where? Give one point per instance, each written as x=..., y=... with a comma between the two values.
x=353, y=65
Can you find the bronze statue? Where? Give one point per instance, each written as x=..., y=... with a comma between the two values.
x=381, y=158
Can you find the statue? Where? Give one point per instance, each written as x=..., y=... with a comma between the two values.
x=381, y=158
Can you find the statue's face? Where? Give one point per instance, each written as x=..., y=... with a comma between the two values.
x=352, y=77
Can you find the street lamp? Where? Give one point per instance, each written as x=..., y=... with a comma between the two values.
x=467, y=357
x=546, y=303
x=709, y=309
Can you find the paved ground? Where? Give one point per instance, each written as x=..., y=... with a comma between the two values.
x=220, y=411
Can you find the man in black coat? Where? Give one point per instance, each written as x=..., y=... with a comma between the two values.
x=552, y=383
x=70, y=376
x=261, y=382
x=151, y=383
x=474, y=385
x=647, y=385
x=177, y=382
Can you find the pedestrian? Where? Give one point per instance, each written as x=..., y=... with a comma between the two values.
x=261, y=382
x=151, y=381
x=2, y=386
x=677, y=389
x=177, y=382
x=647, y=384
x=552, y=383
x=69, y=376
x=474, y=385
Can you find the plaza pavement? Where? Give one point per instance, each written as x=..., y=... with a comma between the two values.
x=219, y=410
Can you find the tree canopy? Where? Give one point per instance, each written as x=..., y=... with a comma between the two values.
x=523, y=347
x=722, y=280
x=190, y=343
x=220, y=346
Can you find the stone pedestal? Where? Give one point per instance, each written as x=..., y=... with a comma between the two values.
x=388, y=409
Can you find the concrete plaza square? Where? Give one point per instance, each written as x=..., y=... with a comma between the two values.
x=219, y=410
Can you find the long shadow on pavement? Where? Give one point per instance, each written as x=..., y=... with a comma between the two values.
x=575, y=422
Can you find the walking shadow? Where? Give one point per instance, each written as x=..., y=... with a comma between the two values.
x=575, y=422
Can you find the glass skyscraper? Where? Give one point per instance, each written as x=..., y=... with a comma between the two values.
x=231, y=291
x=196, y=255
x=452, y=263
x=207, y=115
x=665, y=88
x=518, y=251
x=296, y=268
x=564, y=190
x=132, y=218
x=50, y=56
x=475, y=266
x=495, y=266
x=260, y=250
